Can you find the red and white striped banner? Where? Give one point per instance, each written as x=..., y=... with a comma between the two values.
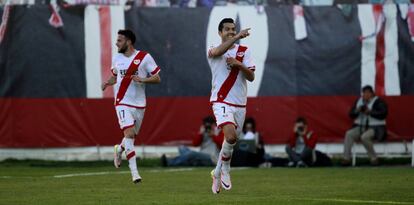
x=4, y=20
x=379, y=60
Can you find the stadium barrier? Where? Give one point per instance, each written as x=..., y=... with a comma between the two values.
x=334, y=150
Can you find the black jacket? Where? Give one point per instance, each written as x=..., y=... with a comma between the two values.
x=379, y=111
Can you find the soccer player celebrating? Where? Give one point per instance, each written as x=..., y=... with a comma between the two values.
x=131, y=70
x=231, y=65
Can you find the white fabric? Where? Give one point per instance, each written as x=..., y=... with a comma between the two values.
x=370, y=28
x=249, y=136
x=299, y=23
x=226, y=151
x=135, y=94
x=220, y=72
x=129, y=147
x=318, y=2
x=362, y=118
x=300, y=145
x=403, y=10
x=128, y=116
x=227, y=113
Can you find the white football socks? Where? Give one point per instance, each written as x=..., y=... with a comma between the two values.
x=130, y=153
x=224, y=159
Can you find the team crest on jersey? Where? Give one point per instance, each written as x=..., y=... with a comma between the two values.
x=240, y=54
x=136, y=62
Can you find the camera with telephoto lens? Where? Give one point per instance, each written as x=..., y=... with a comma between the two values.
x=300, y=129
x=207, y=128
x=363, y=108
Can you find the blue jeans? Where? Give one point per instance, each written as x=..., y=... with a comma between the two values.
x=188, y=157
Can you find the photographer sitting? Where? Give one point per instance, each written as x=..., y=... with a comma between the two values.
x=209, y=139
x=369, y=113
x=301, y=145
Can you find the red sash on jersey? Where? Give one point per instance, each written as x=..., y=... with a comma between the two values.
x=133, y=67
x=231, y=79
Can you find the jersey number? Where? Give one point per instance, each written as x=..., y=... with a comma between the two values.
x=121, y=114
x=224, y=109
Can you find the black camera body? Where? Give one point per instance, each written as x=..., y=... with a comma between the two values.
x=363, y=108
x=300, y=129
x=207, y=128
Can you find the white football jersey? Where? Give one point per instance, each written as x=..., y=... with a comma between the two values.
x=237, y=91
x=135, y=93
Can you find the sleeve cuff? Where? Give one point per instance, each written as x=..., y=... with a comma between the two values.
x=155, y=71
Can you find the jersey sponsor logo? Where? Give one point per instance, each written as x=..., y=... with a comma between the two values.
x=240, y=54
x=124, y=71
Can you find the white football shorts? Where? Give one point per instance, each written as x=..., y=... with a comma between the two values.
x=129, y=117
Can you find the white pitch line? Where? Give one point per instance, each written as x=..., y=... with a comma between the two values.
x=96, y=173
x=120, y=172
x=88, y=174
x=172, y=170
x=355, y=201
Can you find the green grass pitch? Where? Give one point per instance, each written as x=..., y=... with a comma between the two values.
x=103, y=184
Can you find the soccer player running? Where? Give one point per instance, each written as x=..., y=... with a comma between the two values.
x=131, y=70
x=231, y=65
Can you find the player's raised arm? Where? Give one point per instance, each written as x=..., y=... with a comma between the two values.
x=228, y=31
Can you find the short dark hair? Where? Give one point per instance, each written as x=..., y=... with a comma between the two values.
x=368, y=88
x=222, y=22
x=252, y=121
x=301, y=120
x=128, y=34
x=209, y=119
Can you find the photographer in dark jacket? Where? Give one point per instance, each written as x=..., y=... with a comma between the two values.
x=369, y=113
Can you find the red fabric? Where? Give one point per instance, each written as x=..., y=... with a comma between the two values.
x=129, y=126
x=223, y=158
x=231, y=79
x=127, y=78
x=4, y=20
x=130, y=155
x=309, y=142
x=380, y=52
x=217, y=139
x=410, y=20
x=137, y=107
x=72, y=122
x=226, y=123
x=231, y=104
x=106, y=47
x=55, y=19
x=155, y=71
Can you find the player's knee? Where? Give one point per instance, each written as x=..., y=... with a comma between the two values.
x=231, y=139
x=230, y=133
x=129, y=133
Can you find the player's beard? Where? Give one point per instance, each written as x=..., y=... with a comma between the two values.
x=123, y=49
